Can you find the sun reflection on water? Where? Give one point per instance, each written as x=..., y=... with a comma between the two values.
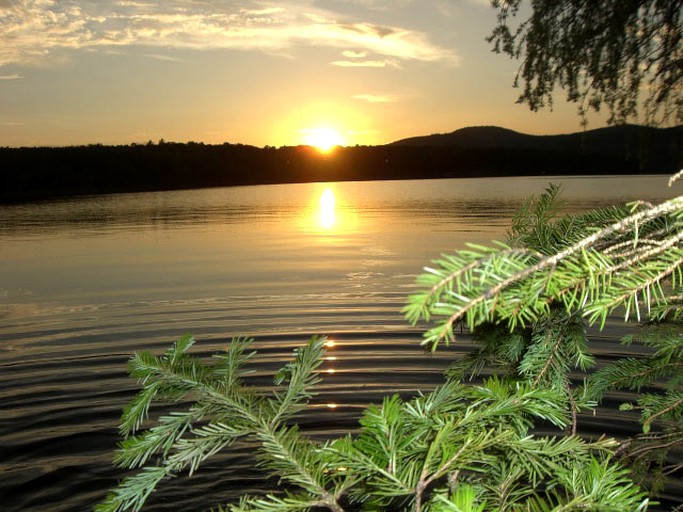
x=330, y=213
x=330, y=344
x=328, y=216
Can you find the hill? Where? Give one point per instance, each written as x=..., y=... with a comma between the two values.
x=616, y=140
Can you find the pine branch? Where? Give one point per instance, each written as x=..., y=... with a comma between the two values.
x=284, y=452
x=135, y=451
x=292, y=502
x=628, y=373
x=301, y=377
x=649, y=444
x=664, y=407
x=519, y=286
x=601, y=483
x=228, y=412
x=133, y=491
x=190, y=452
x=229, y=368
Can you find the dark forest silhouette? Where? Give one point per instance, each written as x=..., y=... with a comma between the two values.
x=41, y=172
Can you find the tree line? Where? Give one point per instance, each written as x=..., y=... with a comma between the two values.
x=43, y=172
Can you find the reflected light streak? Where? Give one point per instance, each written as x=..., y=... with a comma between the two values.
x=328, y=217
x=330, y=343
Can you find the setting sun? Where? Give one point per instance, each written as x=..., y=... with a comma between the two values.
x=323, y=138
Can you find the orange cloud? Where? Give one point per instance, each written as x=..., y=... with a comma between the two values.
x=32, y=30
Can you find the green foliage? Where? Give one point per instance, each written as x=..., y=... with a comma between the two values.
x=527, y=303
x=221, y=411
x=609, y=266
x=601, y=53
x=658, y=378
x=457, y=448
x=663, y=365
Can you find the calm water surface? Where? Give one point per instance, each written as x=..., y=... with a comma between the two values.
x=85, y=282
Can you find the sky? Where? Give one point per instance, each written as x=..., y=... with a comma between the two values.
x=274, y=73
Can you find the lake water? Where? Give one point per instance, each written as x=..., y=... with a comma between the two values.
x=85, y=282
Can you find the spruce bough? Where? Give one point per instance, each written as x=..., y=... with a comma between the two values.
x=462, y=447
x=457, y=448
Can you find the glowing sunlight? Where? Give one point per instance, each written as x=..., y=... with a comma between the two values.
x=323, y=138
x=329, y=213
x=328, y=217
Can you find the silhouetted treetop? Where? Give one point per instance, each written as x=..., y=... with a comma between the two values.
x=621, y=54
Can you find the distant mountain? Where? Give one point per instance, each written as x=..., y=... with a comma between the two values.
x=471, y=137
x=625, y=140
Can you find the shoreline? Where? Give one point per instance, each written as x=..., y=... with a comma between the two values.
x=35, y=174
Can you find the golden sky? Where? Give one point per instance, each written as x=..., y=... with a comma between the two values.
x=254, y=72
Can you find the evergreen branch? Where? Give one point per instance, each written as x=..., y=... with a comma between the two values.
x=137, y=410
x=462, y=499
x=644, y=252
x=651, y=444
x=669, y=406
x=573, y=407
x=292, y=502
x=672, y=469
x=573, y=274
x=192, y=376
x=285, y=452
x=133, y=491
x=229, y=367
x=600, y=486
x=427, y=477
x=628, y=373
x=608, y=303
x=301, y=377
x=538, y=458
x=208, y=440
x=470, y=451
x=354, y=455
x=553, y=354
x=234, y=411
x=441, y=282
x=403, y=457
x=178, y=348
x=136, y=450
x=517, y=401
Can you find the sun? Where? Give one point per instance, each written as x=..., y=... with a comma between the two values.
x=323, y=138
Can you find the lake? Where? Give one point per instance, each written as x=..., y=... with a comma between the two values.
x=85, y=282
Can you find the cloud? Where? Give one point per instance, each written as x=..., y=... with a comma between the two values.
x=13, y=76
x=265, y=12
x=162, y=57
x=382, y=5
x=33, y=31
x=364, y=63
x=349, y=54
x=374, y=98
